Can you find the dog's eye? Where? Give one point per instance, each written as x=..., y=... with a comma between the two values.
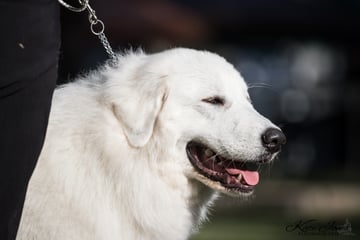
x=215, y=100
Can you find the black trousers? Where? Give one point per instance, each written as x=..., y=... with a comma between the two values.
x=29, y=47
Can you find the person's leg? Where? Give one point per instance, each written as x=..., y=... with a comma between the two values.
x=29, y=46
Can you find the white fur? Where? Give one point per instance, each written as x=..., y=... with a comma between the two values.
x=114, y=164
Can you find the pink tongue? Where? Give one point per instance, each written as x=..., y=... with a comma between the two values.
x=250, y=177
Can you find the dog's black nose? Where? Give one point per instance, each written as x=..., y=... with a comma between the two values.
x=273, y=139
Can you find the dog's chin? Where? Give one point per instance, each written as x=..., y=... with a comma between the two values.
x=234, y=177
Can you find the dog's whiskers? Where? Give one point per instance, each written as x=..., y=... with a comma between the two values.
x=259, y=85
x=263, y=85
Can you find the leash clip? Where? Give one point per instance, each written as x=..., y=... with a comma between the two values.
x=94, y=23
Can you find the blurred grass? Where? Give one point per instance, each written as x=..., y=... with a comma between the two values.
x=226, y=226
x=279, y=204
x=267, y=224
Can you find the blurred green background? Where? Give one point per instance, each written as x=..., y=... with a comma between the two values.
x=301, y=60
x=287, y=210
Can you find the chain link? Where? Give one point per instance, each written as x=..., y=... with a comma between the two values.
x=94, y=21
x=108, y=49
x=83, y=5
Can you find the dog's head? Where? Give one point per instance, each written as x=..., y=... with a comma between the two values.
x=201, y=104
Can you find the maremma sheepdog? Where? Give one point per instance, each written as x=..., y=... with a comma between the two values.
x=140, y=149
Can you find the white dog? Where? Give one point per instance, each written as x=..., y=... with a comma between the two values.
x=140, y=150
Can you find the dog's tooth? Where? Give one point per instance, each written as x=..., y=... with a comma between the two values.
x=239, y=177
x=208, y=152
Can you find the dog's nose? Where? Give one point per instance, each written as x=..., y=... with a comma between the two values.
x=273, y=139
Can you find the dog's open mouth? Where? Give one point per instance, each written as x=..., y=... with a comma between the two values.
x=232, y=174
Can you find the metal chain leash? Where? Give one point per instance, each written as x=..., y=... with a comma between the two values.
x=97, y=26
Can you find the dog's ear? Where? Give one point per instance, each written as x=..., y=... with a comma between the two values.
x=137, y=107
